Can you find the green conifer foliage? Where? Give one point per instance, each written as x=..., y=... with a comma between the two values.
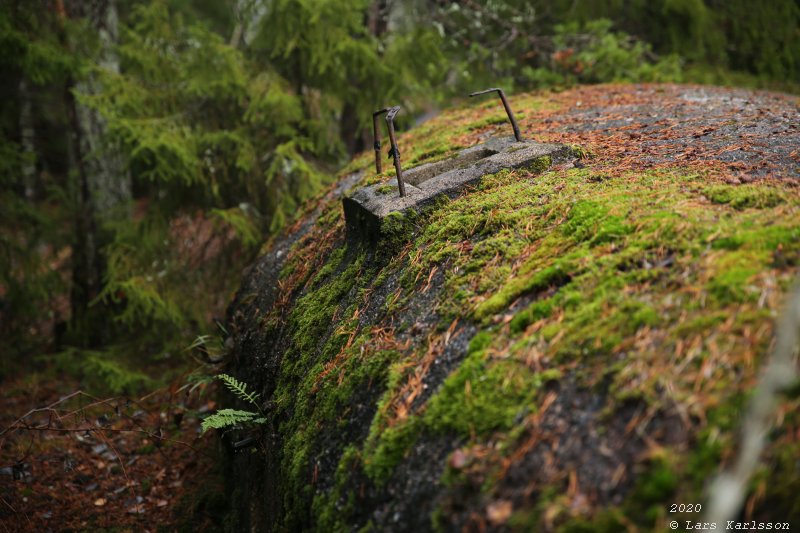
x=32, y=66
x=229, y=116
x=346, y=61
x=517, y=41
x=200, y=124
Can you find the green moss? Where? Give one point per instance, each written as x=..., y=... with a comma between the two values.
x=551, y=276
x=434, y=154
x=744, y=196
x=782, y=484
x=480, y=342
x=747, y=233
x=709, y=444
x=593, y=222
x=325, y=365
x=396, y=230
x=540, y=164
x=393, y=445
x=386, y=445
x=645, y=315
x=699, y=324
x=334, y=508
x=488, y=121
x=387, y=188
x=314, y=312
x=580, y=152
x=438, y=520
x=657, y=484
x=733, y=272
x=484, y=395
x=467, y=403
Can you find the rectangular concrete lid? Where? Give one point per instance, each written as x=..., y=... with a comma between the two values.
x=368, y=206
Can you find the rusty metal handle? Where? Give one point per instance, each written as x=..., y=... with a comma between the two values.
x=395, y=152
x=507, y=107
x=376, y=134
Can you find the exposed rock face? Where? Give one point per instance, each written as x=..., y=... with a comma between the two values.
x=563, y=348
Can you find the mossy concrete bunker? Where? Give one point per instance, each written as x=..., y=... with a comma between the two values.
x=366, y=208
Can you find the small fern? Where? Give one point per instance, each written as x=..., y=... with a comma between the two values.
x=239, y=389
x=227, y=418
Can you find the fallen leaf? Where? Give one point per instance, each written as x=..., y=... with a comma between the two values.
x=99, y=502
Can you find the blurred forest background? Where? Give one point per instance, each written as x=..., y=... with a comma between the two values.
x=148, y=148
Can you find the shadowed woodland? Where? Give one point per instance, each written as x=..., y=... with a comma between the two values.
x=153, y=153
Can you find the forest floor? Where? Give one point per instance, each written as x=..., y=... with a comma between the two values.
x=73, y=462
x=70, y=461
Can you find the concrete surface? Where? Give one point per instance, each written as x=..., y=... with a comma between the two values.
x=367, y=207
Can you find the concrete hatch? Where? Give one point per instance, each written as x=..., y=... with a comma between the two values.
x=367, y=207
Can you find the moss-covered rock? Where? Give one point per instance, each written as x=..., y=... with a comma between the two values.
x=548, y=351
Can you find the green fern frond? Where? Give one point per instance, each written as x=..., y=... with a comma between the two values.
x=225, y=418
x=239, y=389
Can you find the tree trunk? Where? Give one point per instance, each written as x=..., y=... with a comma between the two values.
x=103, y=188
x=107, y=179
